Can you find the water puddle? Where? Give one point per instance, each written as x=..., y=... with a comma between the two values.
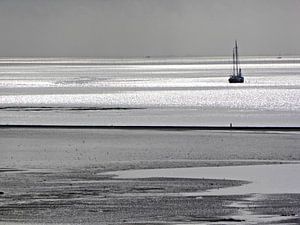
x=245, y=213
x=264, y=179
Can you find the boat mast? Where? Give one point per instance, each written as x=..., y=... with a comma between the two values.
x=233, y=62
x=237, y=58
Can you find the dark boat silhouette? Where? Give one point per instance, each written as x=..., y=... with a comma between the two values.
x=236, y=76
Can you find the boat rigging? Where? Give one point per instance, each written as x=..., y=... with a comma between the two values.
x=236, y=76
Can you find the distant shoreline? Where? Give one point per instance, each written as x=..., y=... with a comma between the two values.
x=144, y=61
x=171, y=128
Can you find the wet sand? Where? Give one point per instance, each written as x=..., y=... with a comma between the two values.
x=68, y=148
x=61, y=182
x=72, y=197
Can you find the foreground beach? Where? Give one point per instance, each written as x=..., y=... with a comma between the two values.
x=56, y=176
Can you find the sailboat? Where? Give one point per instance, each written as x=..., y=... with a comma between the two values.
x=236, y=76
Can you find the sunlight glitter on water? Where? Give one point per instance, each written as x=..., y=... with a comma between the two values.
x=241, y=98
x=176, y=82
x=270, y=85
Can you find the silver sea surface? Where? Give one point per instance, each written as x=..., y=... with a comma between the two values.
x=178, y=91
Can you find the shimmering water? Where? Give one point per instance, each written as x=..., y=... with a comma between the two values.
x=166, y=91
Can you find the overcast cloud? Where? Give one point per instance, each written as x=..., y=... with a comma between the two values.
x=120, y=28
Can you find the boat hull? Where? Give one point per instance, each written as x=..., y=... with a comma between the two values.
x=235, y=79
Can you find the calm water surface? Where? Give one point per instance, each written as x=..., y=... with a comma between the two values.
x=264, y=179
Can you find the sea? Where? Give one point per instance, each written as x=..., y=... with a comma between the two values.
x=190, y=91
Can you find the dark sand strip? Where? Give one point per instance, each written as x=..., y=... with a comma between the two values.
x=25, y=108
x=175, y=128
x=2, y=170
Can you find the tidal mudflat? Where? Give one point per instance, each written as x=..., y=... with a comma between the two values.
x=59, y=176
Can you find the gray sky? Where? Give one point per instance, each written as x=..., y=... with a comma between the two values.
x=118, y=28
